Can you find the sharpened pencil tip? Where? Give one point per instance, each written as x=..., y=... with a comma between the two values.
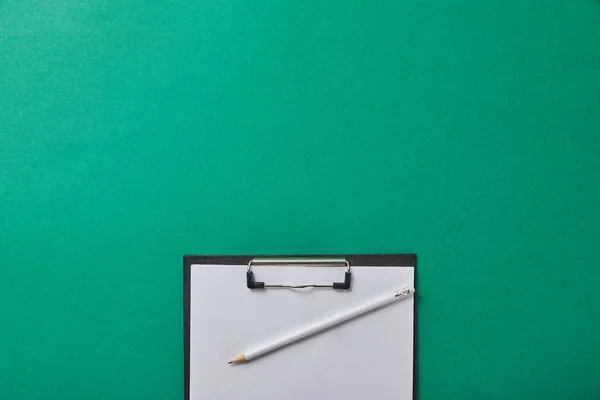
x=238, y=359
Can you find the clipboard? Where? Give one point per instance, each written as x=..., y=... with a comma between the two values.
x=232, y=302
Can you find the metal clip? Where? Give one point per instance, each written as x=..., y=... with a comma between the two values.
x=252, y=284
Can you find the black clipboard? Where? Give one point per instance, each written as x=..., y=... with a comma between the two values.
x=382, y=260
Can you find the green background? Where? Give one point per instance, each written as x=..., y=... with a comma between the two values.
x=134, y=132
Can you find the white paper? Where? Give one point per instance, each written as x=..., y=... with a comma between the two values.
x=370, y=357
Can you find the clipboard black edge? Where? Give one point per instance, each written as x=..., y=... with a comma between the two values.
x=377, y=260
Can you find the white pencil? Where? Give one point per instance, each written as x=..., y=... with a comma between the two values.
x=324, y=324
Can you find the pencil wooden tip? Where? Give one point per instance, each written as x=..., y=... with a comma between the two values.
x=238, y=359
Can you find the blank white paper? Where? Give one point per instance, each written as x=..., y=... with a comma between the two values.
x=370, y=357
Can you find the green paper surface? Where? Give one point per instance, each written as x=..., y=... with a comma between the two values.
x=132, y=133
